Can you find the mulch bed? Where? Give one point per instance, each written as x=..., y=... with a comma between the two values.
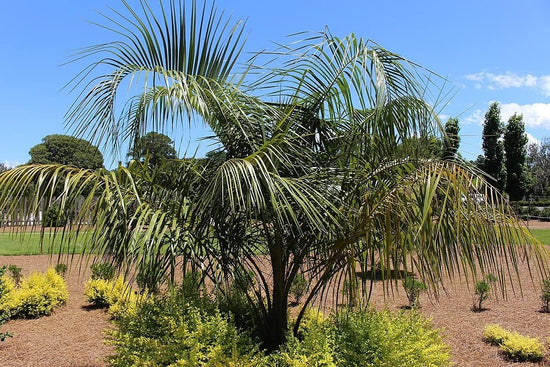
x=73, y=335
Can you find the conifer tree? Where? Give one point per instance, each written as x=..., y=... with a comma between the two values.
x=451, y=140
x=493, y=148
x=515, y=148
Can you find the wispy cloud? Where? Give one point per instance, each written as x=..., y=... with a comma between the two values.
x=10, y=164
x=532, y=140
x=534, y=115
x=476, y=118
x=511, y=80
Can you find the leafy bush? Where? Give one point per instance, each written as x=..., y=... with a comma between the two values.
x=494, y=334
x=413, y=288
x=38, y=295
x=315, y=347
x=186, y=327
x=298, y=287
x=521, y=348
x=171, y=332
x=545, y=296
x=115, y=294
x=385, y=339
x=482, y=289
x=54, y=217
x=3, y=290
x=104, y=271
x=516, y=347
x=544, y=215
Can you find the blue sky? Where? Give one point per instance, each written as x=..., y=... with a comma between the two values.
x=489, y=50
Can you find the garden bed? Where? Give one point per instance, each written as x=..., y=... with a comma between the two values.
x=73, y=335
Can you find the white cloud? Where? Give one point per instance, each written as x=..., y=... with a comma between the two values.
x=10, y=164
x=534, y=115
x=532, y=140
x=511, y=80
x=476, y=118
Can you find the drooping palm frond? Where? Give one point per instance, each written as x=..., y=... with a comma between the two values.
x=199, y=44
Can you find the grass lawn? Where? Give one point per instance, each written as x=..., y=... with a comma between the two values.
x=543, y=235
x=29, y=244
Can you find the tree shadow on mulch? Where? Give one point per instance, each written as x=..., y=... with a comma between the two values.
x=91, y=307
x=479, y=310
x=379, y=275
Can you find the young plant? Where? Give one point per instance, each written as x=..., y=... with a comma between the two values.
x=482, y=289
x=15, y=274
x=545, y=296
x=413, y=288
x=61, y=269
x=298, y=287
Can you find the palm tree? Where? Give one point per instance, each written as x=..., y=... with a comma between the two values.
x=320, y=171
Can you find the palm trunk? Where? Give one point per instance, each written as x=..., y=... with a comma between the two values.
x=276, y=323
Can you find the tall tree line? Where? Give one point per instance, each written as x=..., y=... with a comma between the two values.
x=505, y=153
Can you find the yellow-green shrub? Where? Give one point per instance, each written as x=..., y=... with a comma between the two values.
x=387, y=339
x=522, y=348
x=115, y=294
x=314, y=348
x=38, y=295
x=495, y=334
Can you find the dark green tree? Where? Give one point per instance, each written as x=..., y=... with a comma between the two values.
x=538, y=166
x=66, y=150
x=451, y=140
x=157, y=147
x=3, y=167
x=515, y=149
x=493, y=148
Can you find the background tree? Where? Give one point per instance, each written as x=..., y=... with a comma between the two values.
x=66, y=150
x=451, y=140
x=314, y=172
x=3, y=167
x=515, y=149
x=538, y=163
x=157, y=147
x=493, y=148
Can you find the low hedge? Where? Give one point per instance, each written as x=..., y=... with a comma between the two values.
x=514, y=346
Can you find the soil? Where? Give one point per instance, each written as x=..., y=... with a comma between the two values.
x=73, y=335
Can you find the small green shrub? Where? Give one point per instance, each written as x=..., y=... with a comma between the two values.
x=494, y=334
x=545, y=296
x=482, y=289
x=545, y=214
x=521, y=348
x=298, y=287
x=386, y=339
x=15, y=272
x=54, y=217
x=61, y=269
x=104, y=271
x=38, y=295
x=413, y=288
